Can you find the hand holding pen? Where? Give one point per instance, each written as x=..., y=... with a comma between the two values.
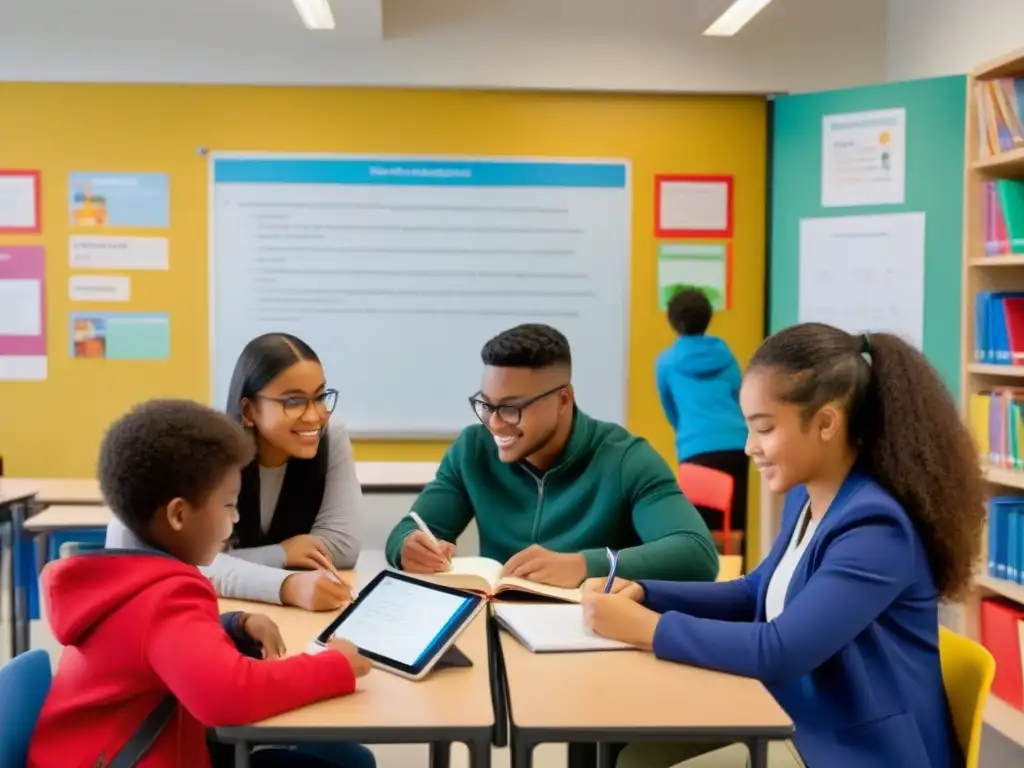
x=423, y=552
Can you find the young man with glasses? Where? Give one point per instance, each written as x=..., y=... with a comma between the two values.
x=550, y=487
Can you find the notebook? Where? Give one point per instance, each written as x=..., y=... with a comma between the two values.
x=483, y=575
x=547, y=628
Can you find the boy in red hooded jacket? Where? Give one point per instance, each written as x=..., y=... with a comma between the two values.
x=142, y=626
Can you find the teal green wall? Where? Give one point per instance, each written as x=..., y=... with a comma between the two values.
x=935, y=173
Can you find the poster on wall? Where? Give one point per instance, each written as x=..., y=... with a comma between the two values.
x=705, y=266
x=98, y=200
x=22, y=313
x=120, y=335
x=693, y=206
x=864, y=158
x=20, y=196
x=864, y=273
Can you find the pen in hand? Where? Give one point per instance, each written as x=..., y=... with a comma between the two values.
x=613, y=564
x=433, y=539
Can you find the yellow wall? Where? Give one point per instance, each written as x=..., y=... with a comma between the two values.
x=52, y=428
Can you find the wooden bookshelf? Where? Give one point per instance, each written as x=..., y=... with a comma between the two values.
x=982, y=273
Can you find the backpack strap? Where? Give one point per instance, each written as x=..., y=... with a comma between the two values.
x=138, y=745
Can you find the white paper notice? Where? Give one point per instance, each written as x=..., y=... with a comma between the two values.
x=20, y=308
x=99, y=252
x=17, y=202
x=698, y=206
x=864, y=273
x=99, y=288
x=864, y=158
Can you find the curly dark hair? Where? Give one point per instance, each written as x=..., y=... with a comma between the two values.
x=527, y=346
x=905, y=426
x=166, y=449
x=689, y=312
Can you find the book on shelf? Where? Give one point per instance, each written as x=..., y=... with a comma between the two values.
x=1006, y=538
x=1003, y=209
x=483, y=575
x=996, y=420
x=1000, y=622
x=999, y=327
x=998, y=106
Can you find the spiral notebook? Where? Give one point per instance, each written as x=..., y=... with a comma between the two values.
x=552, y=628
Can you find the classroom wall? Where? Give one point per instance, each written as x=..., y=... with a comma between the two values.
x=934, y=184
x=53, y=428
x=606, y=45
x=930, y=38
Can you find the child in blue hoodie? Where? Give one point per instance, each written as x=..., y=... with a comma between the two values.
x=699, y=385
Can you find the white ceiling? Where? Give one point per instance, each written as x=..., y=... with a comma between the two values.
x=571, y=44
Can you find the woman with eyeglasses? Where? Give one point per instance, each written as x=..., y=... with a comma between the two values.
x=300, y=503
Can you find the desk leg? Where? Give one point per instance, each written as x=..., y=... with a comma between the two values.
x=522, y=752
x=20, y=618
x=758, y=753
x=241, y=754
x=440, y=754
x=582, y=755
x=499, y=689
x=480, y=752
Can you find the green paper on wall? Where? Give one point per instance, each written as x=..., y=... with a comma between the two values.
x=694, y=265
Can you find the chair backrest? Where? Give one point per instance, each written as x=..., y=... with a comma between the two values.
x=24, y=684
x=706, y=487
x=967, y=672
x=729, y=567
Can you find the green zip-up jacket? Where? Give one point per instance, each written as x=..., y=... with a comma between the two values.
x=607, y=489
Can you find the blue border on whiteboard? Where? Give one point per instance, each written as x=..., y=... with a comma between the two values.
x=402, y=172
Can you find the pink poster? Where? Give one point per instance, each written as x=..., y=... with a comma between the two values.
x=22, y=313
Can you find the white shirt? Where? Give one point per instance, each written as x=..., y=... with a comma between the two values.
x=778, y=585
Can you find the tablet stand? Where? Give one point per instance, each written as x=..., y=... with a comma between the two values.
x=453, y=657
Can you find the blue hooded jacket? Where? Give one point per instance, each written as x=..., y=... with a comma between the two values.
x=699, y=386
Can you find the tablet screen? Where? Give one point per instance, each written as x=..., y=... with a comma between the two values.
x=402, y=621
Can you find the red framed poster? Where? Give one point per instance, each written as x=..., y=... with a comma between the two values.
x=21, y=200
x=688, y=205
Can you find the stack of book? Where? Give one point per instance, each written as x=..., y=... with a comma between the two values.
x=998, y=104
x=999, y=327
x=1003, y=206
x=1006, y=538
x=997, y=423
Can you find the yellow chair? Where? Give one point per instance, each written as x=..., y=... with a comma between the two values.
x=967, y=672
x=729, y=567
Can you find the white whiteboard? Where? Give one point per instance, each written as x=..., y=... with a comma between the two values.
x=396, y=270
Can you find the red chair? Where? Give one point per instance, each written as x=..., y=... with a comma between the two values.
x=713, y=489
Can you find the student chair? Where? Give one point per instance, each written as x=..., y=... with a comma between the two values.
x=24, y=684
x=967, y=672
x=713, y=489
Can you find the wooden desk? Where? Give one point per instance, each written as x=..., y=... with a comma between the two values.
x=14, y=635
x=629, y=696
x=449, y=705
x=376, y=477
x=55, y=490
x=395, y=476
x=68, y=517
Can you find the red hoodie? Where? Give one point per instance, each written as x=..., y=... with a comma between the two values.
x=137, y=626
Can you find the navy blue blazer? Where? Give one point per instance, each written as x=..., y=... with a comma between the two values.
x=854, y=657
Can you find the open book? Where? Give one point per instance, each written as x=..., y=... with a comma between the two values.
x=481, y=574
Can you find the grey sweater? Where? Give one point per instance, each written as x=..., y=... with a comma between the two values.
x=257, y=573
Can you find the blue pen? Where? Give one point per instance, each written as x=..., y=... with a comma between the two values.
x=613, y=564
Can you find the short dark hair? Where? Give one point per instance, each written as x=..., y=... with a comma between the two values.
x=165, y=449
x=689, y=312
x=531, y=345
x=906, y=429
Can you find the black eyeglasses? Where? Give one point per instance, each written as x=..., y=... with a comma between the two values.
x=509, y=413
x=295, y=406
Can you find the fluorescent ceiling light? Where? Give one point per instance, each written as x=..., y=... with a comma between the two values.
x=316, y=14
x=734, y=18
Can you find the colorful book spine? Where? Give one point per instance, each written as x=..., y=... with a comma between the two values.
x=1000, y=127
x=1006, y=538
x=999, y=328
x=1003, y=205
